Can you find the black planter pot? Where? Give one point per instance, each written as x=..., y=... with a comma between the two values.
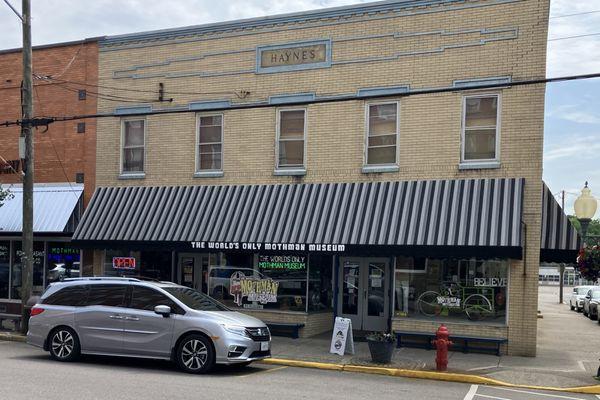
x=381, y=352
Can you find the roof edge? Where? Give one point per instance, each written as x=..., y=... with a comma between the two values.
x=53, y=45
x=256, y=22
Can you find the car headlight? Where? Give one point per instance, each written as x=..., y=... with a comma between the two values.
x=236, y=330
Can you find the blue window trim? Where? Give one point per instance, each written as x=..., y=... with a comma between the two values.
x=299, y=67
x=291, y=98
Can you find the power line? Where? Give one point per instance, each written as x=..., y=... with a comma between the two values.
x=51, y=78
x=574, y=37
x=337, y=99
x=575, y=14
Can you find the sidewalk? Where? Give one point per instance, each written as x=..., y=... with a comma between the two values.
x=568, y=350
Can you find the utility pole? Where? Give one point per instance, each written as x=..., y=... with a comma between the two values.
x=27, y=135
x=562, y=265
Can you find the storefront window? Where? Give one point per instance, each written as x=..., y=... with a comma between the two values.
x=320, y=284
x=260, y=281
x=226, y=275
x=38, y=269
x=289, y=273
x=4, y=268
x=451, y=289
x=63, y=262
x=121, y=263
x=156, y=265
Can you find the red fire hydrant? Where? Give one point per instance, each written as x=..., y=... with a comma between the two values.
x=442, y=343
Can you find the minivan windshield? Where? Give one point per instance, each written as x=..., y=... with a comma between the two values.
x=195, y=300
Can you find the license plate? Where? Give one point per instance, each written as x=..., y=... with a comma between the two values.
x=264, y=346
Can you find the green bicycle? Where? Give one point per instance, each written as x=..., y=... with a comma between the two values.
x=471, y=301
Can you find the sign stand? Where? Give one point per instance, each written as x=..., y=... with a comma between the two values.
x=342, y=337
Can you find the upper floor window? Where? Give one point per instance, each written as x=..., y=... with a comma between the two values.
x=480, y=128
x=133, y=146
x=210, y=143
x=382, y=134
x=291, y=134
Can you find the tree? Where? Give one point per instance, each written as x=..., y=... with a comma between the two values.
x=593, y=232
x=5, y=194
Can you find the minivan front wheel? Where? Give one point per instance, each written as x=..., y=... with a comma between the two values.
x=195, y=354
x=64, y=345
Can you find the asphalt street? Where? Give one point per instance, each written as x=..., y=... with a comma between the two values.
x=26, y=373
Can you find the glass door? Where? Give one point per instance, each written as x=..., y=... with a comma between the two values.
x=375, y=317
x=191, y=270
x=363, y=293
x=351, y=291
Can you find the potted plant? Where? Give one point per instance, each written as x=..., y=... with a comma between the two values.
x=588, y=263
x=381, y=346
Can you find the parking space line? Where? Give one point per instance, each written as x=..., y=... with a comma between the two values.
x=491, y=397
x=537, y=394
x=264, y=371
x=471, y=393
x=581, y=365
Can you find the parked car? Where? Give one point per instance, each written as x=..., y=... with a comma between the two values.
x=578, y=297
x=62, y=271
x=130, y=317
x=590, y=304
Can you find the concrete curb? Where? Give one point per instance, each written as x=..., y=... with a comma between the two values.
x=433, y=375
x=12, y=337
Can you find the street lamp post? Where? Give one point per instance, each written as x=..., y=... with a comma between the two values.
x=585, y=209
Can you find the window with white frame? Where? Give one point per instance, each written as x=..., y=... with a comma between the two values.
x=210, y=143
x=291, y=132
x=382, y=134
x=480, y=128
x=132, y=143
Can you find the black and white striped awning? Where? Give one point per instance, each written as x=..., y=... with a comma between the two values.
x=560, y=240
x=472, y=213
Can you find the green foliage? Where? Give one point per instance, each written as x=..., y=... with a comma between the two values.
x=593, y=232
x=5, y=194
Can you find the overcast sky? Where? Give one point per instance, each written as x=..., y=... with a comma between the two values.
x=572, y=137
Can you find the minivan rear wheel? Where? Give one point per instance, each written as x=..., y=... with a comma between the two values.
x=195, y=354
x=64, y=344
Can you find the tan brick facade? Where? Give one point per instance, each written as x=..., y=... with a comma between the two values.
x=423, y=47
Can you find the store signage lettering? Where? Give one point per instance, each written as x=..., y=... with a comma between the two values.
x=299, y=55
x=289, y=263
x=63, y=250
x=260, y=290
x=3, y=252
x=447, y=301
x=322, y=247
x=38, y=256
x=124, y=262
x=490, y=282
x=10, y=166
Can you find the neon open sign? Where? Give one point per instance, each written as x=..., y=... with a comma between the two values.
x=124, y=262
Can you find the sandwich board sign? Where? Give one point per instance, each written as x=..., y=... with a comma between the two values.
x=342, y=337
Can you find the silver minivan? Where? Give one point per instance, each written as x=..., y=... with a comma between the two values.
x=134, y=318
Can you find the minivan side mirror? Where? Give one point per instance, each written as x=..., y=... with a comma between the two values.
x=165, y=311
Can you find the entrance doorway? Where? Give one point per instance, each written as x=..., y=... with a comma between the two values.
x=193, y=270
x=363, y=292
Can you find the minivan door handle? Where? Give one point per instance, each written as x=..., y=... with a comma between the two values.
x=132, y=318
x=115, y=316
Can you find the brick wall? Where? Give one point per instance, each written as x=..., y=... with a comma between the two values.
x=61, y=152
x=424, y=47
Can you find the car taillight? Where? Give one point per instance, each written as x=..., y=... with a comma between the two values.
x=36, y=310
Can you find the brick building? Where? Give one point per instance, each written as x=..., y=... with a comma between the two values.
x=296, y=150
x=65, y=79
